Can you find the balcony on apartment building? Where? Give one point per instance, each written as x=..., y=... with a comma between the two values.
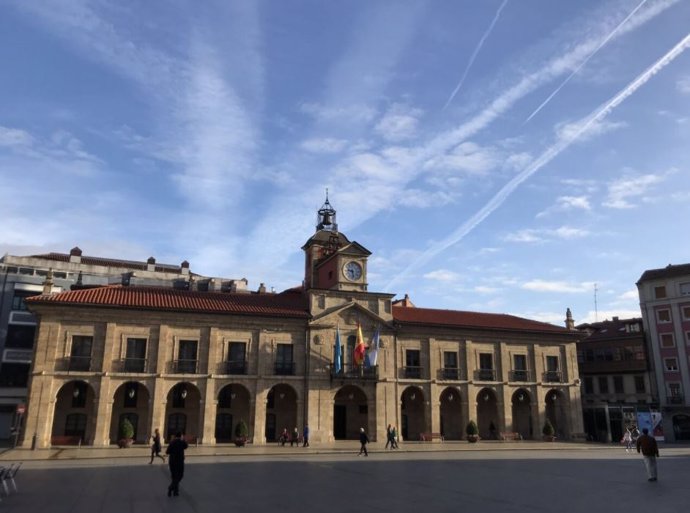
x=520, y=376
x=185, y=366
x=412, y=372
x=450, y=374
x=552, y=377
x=485, y=375
x=133, y=365
x=235, y=367
x=675, y=399
x=284, y=369
x=77, y=363
x=351, y=371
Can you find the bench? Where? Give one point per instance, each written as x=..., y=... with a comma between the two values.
x=507, y=436
x=430, y=437
x=65, y=440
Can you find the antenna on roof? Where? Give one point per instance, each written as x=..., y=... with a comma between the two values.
x=596, y=309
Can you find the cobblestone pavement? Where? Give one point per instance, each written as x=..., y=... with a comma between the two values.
x=486, y=478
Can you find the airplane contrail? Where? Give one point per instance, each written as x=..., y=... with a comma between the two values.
x=583, y=126
x=476, y=52
x=601, y=45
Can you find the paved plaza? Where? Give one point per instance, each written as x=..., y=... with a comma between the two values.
x=500, y=478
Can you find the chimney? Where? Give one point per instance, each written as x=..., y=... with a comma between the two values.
x=151, y=264
x=569, y=322
x=75, y=255
x=262, y=289
x=48, y=283
x=615, y=318
x=184, y=267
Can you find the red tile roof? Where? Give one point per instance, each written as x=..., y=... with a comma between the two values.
x=460, y=319
x=285, y=304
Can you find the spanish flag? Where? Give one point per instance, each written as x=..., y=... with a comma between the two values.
x=360, y=348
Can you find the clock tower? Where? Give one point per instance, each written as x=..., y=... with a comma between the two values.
x=332, y=261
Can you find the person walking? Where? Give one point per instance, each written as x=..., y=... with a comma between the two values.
x=363, y=440
x=394, y=438
x=284, y=437
x=650, y=452
x=156, y=447
x=628, y=440
x=175, y=451
x=295, y=437
x=389, y=437
x=305, y=436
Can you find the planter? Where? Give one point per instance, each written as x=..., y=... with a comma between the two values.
x=549, y=438
x=240, y=441
x=473, y=439
x=125, y=443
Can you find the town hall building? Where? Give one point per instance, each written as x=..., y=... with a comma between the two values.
x=201, y=360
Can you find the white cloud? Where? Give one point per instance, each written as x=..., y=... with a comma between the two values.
x=356, y=112
x=526, y=235
x=323, y=145
x=418, y=198
x=627, y=188
x=542, y=235
x=568, y=233
x=602, y=315
x=442, y=275
x=567, y=203
x=467, y=157
x=518, y=161
x=399, y=123
x=483, y=289
x=10, y=137
x=683, y=85
x=630, y=295
x=558, y=286
x=569, y=131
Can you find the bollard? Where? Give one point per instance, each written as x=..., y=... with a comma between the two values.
x=33, y=442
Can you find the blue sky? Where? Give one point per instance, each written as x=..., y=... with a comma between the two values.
x=498, y=156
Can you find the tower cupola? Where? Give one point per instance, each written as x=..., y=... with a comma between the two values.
x=325, y=218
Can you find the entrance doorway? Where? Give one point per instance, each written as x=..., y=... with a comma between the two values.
x=340, y=421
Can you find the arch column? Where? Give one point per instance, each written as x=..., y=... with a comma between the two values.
x=104, y=412
x=158, y=403
x=260, y=419
x=208, y=416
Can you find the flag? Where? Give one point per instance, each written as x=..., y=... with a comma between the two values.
x=373, y=349
x=360, y=348
x=337, y=358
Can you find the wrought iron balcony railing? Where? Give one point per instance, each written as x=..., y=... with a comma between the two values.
x=185, y=366
x=485, y=375
x=134, y=365
x=351, y=371
x=412, y=372
x=552, y=377
x=520, y=375
x=79, y=363
x=674, y=399
x=449, y=374
x=284, y=369
x=235, y=367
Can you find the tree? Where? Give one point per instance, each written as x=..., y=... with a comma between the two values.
x=241, y=429
x=126, y=429
x=548, y=430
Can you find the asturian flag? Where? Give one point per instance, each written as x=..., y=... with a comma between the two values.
x=360, y=348
x=337, y=358
x=373, y=349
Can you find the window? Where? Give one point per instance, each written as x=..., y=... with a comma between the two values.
x=412, y=366
x=20, y=336
x=450, y=365
x=640, y=386
x=660, y=292
x=284, y=362
x=520, y=362
x=663, y=315
x=667, y=340
x=552, y=363
x=186, y=357
x=671, y=364
x=686, y=313
x=18, y=300
x=674, y=389
x=486, y=361
x=80, y=355
x=603, y=384
x=618, y=384
x=135, y=357
x=237, y=357
x=14, y=374
x=589, y=385
x=685, y=289
x=687, y=337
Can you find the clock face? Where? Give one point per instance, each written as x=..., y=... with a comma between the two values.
x=353, y=271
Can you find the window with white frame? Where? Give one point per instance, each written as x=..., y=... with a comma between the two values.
x=663, y=315
x=671, y=364
x=686, y=313
x=685, y=289
x=666, y=340
x=660, y=292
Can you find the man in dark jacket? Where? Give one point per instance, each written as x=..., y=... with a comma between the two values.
x=176, y=463
x=363, y=440
x=650, y=451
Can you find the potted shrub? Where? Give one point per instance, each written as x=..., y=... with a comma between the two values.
x=548, y=431
x=126, y=433
x=472, y=432
x=241, y=433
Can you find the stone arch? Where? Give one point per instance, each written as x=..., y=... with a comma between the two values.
x=182, y=411
x=281, y=411
x=522, y=413
x=74, y=416
x=412, y=407
x=232, y=407
x=452, y=423
x=487, y=414
x=350, y=412
x=132, y=400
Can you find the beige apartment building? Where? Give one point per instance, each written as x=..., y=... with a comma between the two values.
x=199, y=361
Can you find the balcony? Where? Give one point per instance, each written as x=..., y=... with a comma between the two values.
x=449, y=374
x=237, y=367
x=134, y=365
x=185, y=366
x=350, y=371
x=79, y=363
x=485, y=375
x=519, y=375
x=675, y=399
x=552, y=377
x=284, y=369
x=412, y=373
